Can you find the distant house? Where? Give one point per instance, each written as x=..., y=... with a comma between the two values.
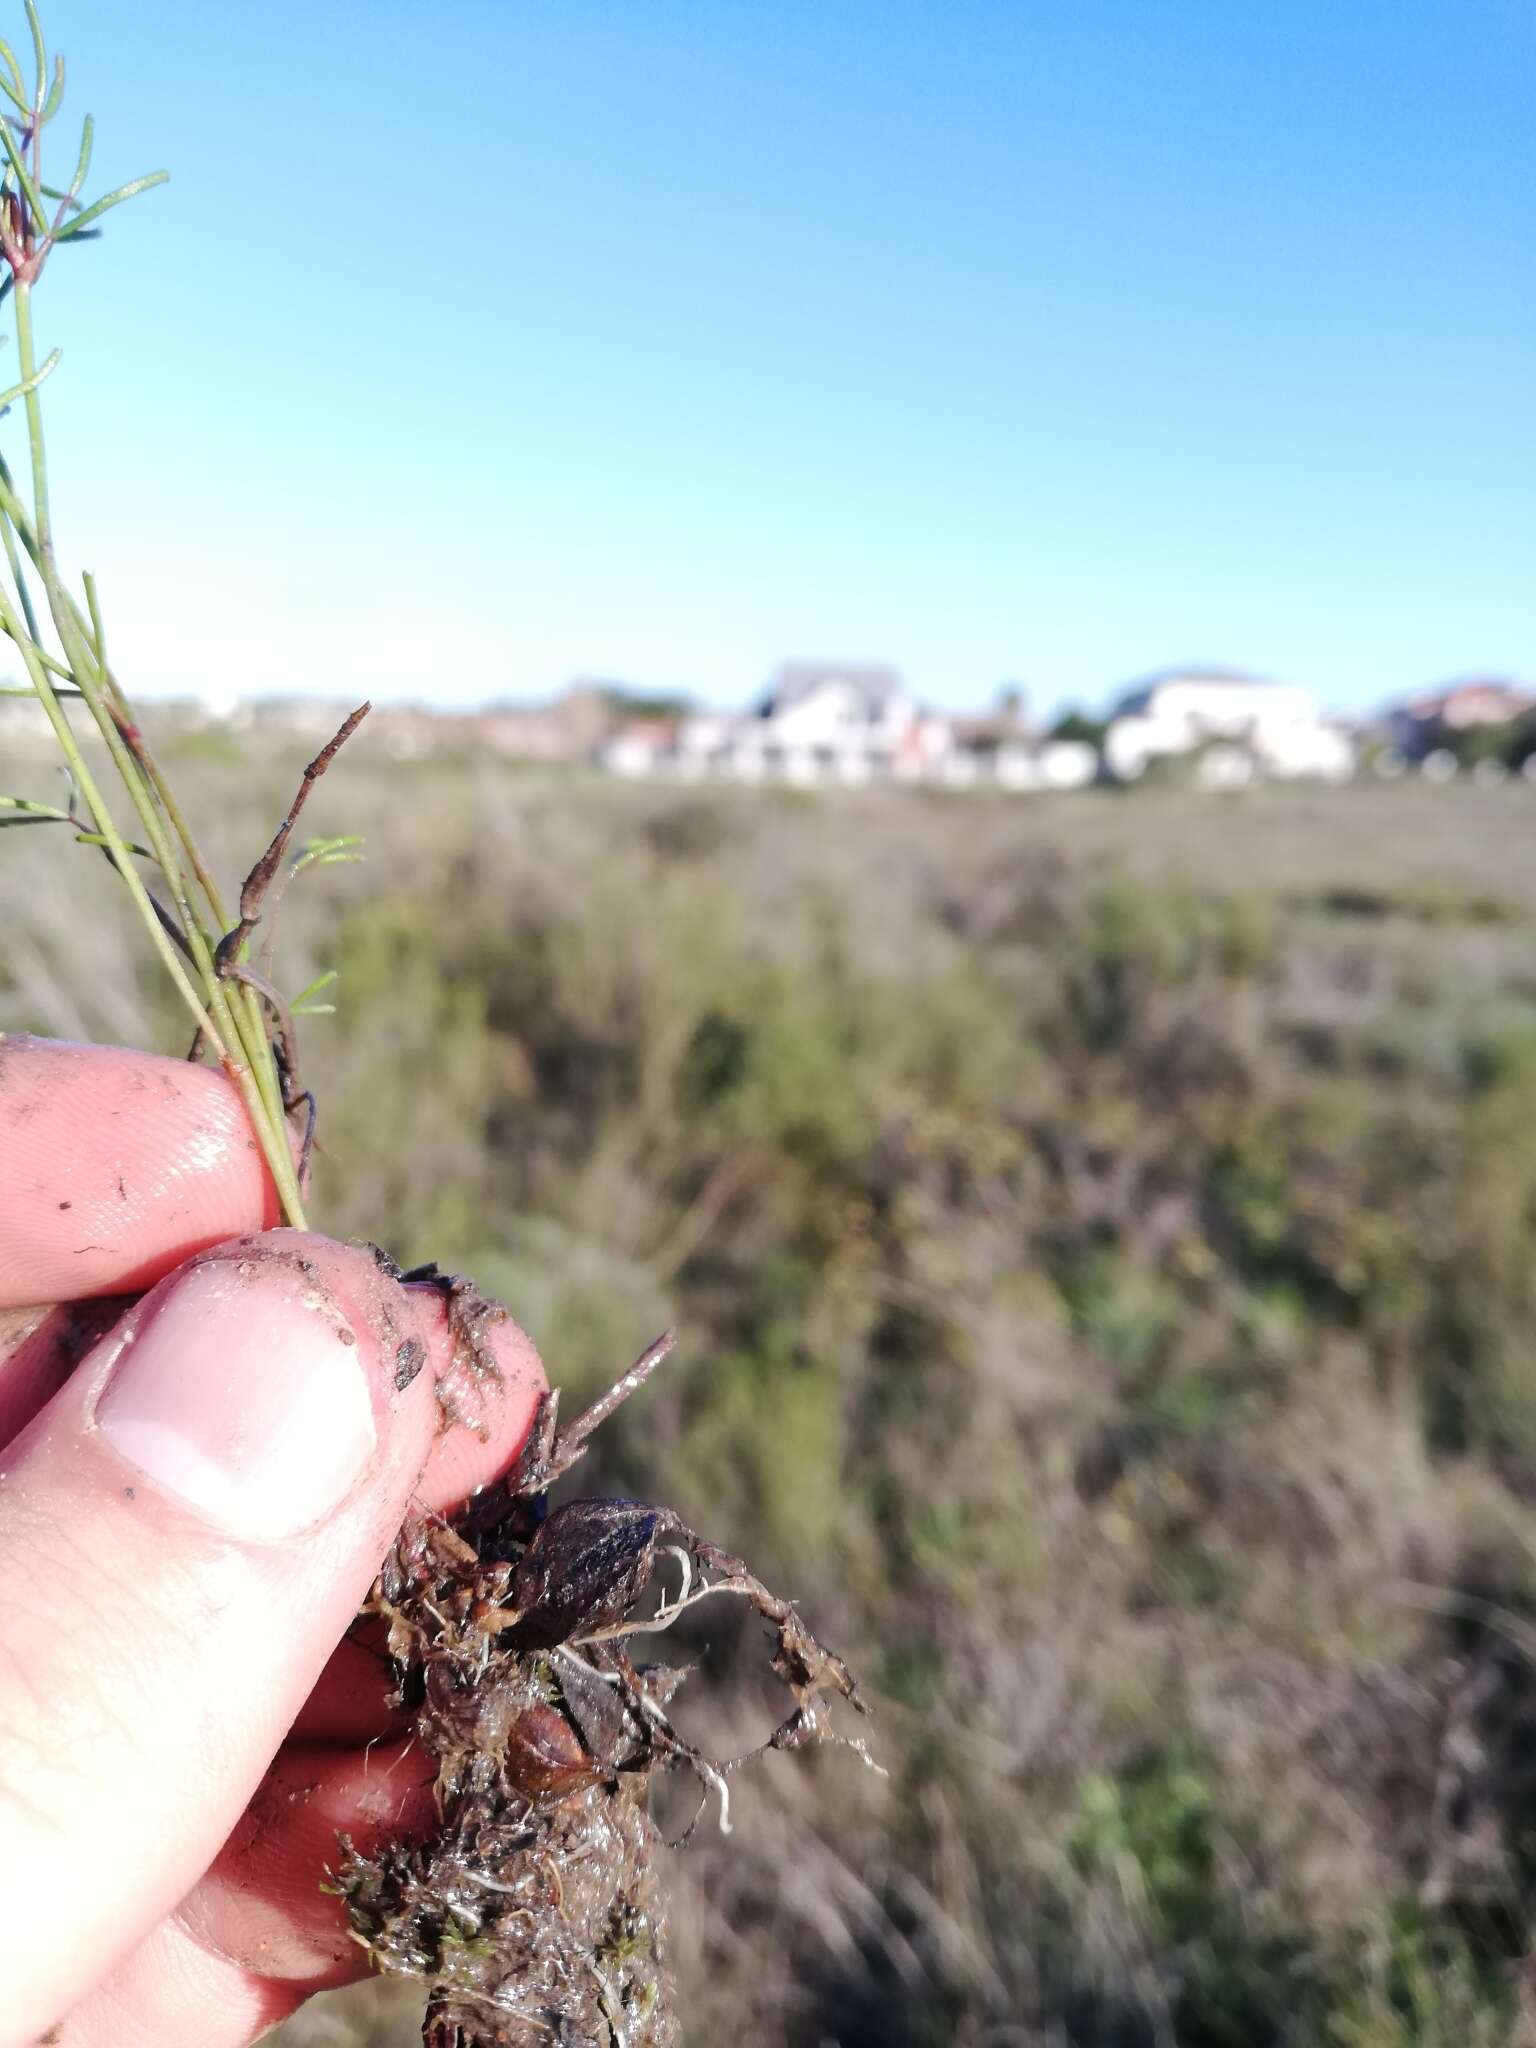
x=639, y=747
x=1241, y=728
x=1436, y=720
x=838, y=722
x=847, y=724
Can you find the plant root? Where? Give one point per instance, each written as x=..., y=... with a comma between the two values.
x=534, y=1914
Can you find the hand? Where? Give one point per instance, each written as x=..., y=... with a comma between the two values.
x=196, y=1490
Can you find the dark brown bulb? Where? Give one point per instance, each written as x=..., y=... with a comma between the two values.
x=545, y=1754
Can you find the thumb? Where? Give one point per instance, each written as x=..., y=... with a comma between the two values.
x=187, y=1529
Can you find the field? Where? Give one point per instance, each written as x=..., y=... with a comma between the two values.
x=1101, y=1230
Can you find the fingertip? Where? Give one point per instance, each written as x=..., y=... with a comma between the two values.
x=454, y=1383
x=487, y=1397
x=192, y=1523
x=119, y=1165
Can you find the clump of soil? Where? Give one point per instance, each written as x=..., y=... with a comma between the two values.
x=534, y=1914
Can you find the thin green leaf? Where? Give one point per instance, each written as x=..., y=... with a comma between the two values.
x=38, y=376
x=26, y=689
x=98, y=631
x=33, y=813
x=18, y=577
x=100, y=839
x=71, y=198
x=311, y=1009
x=29, y=813
x=321, y=981
x=329, y=852
x=39, y=49
x=55, y=91
x=12, y=86
x=129, y=191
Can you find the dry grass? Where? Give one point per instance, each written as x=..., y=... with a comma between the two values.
x=1101, y=1231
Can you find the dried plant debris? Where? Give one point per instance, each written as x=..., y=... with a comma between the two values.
x=534, y=1914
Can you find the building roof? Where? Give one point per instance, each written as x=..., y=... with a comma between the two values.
x=1138, y=696
x=1503, y=689
x=875, y=683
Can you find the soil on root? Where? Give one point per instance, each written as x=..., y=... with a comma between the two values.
x=534, y=1914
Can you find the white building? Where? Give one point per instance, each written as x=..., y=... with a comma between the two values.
x=1245, y=728
x=847, y=723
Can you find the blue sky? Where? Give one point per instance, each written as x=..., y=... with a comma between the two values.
x=481, y=344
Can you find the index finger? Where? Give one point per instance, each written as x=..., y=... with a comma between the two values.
x=115, y=1166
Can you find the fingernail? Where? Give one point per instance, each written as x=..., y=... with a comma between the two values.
x=245, y=1397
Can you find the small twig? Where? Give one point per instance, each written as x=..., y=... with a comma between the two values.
x=259, y=880
x=571, y=1443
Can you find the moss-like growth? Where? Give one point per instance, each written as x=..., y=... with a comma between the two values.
x=534, y=1913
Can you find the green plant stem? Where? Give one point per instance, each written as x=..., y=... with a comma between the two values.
x=17, y=521
x=121, y=859
x=229, y=1013
x=8, y=529
x=239, y=1039
x=17, y=518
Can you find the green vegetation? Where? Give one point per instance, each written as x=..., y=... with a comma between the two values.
x=61, y=645
x=1509, y=744
x=1103, y=1254
x=1102, y=1236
